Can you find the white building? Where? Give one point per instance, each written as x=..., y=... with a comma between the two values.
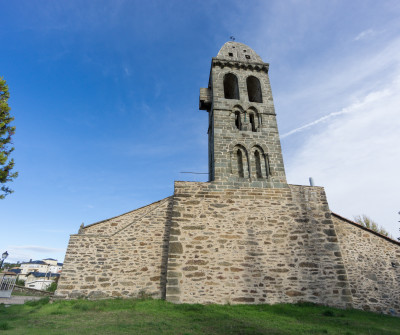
x=48, y=265
x=40, y=280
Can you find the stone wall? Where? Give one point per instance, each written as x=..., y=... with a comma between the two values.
x=254, y=246
x=372, y=262
x=31, y=291
x=208, y=244
x=123, y=256
x=223, y=134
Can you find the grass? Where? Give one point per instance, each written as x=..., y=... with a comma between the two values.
x=160, y=317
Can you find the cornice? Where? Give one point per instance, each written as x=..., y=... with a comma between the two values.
x=240, y=65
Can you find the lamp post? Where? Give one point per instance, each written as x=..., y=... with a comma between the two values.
x=3, y=257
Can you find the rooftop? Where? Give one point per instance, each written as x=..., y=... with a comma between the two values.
x=238, y=52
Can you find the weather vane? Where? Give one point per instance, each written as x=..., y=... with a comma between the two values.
x=232, y=38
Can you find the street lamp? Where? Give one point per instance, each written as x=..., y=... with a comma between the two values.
x=3, y=257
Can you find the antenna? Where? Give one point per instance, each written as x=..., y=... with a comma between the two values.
x=232, y=38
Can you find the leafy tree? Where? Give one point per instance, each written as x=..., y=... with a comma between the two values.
x=6, y=131
x=371, y=224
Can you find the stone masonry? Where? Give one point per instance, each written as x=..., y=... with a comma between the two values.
x=246, y=236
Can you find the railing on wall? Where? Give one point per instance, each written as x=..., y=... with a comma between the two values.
x=6, y=285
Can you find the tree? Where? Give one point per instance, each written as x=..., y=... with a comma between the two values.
x=371, y=224
x=6, y=131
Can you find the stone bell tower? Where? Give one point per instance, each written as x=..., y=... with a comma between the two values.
x=243, y=141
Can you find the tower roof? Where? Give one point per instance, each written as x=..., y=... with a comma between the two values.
x=238, y=52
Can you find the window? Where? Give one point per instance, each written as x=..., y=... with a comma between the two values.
x=247, y=56
x=252, y=123
x=240, y=163
x=231, y=54
x=254, y=89
x=238, y=121
x=258, y=164
x=267, y=165
x=231, y=87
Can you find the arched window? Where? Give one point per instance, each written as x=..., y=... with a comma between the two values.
x=267, y=165
x=238, y=121
x=252, y=122
x=231, y=87
x=240, y=163
x=258, y=164
x=254, y=89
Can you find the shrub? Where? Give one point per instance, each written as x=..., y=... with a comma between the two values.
x=52, y=287
x=4, y=325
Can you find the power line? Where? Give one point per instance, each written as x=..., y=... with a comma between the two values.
x=194, y=172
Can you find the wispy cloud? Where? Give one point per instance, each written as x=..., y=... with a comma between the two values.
x=26, y=252
x=355, y=157
x=351, y=109
x=36, y=248
x=365, y=34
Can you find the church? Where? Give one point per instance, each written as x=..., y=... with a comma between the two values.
x=246, y=235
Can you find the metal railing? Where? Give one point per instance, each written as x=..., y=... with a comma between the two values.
x=6, y=286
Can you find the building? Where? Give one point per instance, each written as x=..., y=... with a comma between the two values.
x=47, y=265
x=40, y=280
x=246, y=236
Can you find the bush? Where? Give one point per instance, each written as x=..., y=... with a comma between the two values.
x=4, y=325
x=52, y=287
x=20, y=282
x=328, y=313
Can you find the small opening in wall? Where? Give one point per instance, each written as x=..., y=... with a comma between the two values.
x=238, y=121
x=240, y=163
x=244, y=50
x=252, y=123
x=247, y=57
x=231, y=54
x=258, y=164
x=394, y=265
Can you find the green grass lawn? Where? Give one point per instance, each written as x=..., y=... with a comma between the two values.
x=160, y=317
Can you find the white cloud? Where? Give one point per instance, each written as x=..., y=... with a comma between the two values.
x=36, y=248
x=365, y=34
x=26, y=252
x=356, y=158
x=352, y=108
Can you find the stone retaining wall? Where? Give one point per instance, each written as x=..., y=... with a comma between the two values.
x=373, y=267
x=32, y=291
x=254, y=246
x=210, y=244
x=103, y=261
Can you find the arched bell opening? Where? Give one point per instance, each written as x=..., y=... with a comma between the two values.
x=254, y=89
x=231, y=86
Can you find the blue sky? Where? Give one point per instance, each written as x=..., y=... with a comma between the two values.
x=105, y=99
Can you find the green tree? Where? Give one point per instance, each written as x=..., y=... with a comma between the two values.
x=6, y=131
x=371, y=224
